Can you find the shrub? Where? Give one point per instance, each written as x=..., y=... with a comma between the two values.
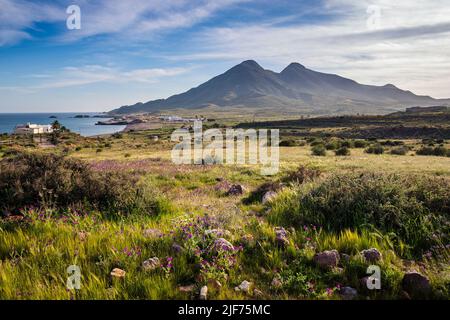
x=375, y=149
x=301, y=175
x=343, y=151
x=440, y=151
x=316, y=142
x=425, y=151
x=51, y=181
x=318, y=150
x=360, y=144
x=347, y=144
x=391, y=143
x=288, y=143
x=117, y=135
x=429, y=151
x=302, y=143
x=415, y=209
x=332, y=145
x=401, y=151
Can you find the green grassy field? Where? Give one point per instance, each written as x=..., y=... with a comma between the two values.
x=397, y=204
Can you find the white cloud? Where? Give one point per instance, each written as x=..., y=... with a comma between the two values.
x=79, y=76
x=410, y=49
x=18, y=15
x=126, y=19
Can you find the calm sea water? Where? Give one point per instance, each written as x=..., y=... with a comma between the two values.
x=84, y=126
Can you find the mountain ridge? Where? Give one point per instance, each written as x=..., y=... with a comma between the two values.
x=295, y=88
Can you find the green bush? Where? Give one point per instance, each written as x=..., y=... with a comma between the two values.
x=332, y=145
x=56, y=182
x=319, y=150
x=301, y=175
x=288, y=143
x=347, y=144
x=401, y=151
x=316, y=142
x=415, y=209
x=360, y=144
x=391, y=143
x=343, y=151
x=375, y=149
x=437, y=151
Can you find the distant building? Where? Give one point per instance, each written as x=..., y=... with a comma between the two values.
x=30, y=128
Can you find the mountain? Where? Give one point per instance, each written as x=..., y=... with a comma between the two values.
x=295, y=89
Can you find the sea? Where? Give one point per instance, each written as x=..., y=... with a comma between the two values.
x=84, y=126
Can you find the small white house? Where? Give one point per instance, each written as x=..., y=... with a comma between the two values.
x=30, y=128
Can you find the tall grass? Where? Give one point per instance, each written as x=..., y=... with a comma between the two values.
x=415, y=209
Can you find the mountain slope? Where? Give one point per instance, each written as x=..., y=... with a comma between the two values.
x=296, y=88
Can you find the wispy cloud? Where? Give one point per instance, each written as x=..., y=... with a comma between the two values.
x=18, y=15
x=125, y=19
x=409, y=48
x=86, y=75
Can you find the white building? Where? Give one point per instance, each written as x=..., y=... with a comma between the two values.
x=30, y=128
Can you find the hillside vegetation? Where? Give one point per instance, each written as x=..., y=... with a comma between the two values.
x=140, y=227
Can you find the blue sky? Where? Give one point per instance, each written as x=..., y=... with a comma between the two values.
x=131, y=51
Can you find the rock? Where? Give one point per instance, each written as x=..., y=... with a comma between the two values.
x=268, y=196
x=348, y=293
x=327, y=259
x=222, y=244
x=203, y=293
x=118, y=273
x=281, y=236
x=151, y=264
x=276, y=283
x=244, y=286
x=236, y=190
x=213, y=283
x=152, y=233
x=188, y=288
x=371, y=255
x=416, y=285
